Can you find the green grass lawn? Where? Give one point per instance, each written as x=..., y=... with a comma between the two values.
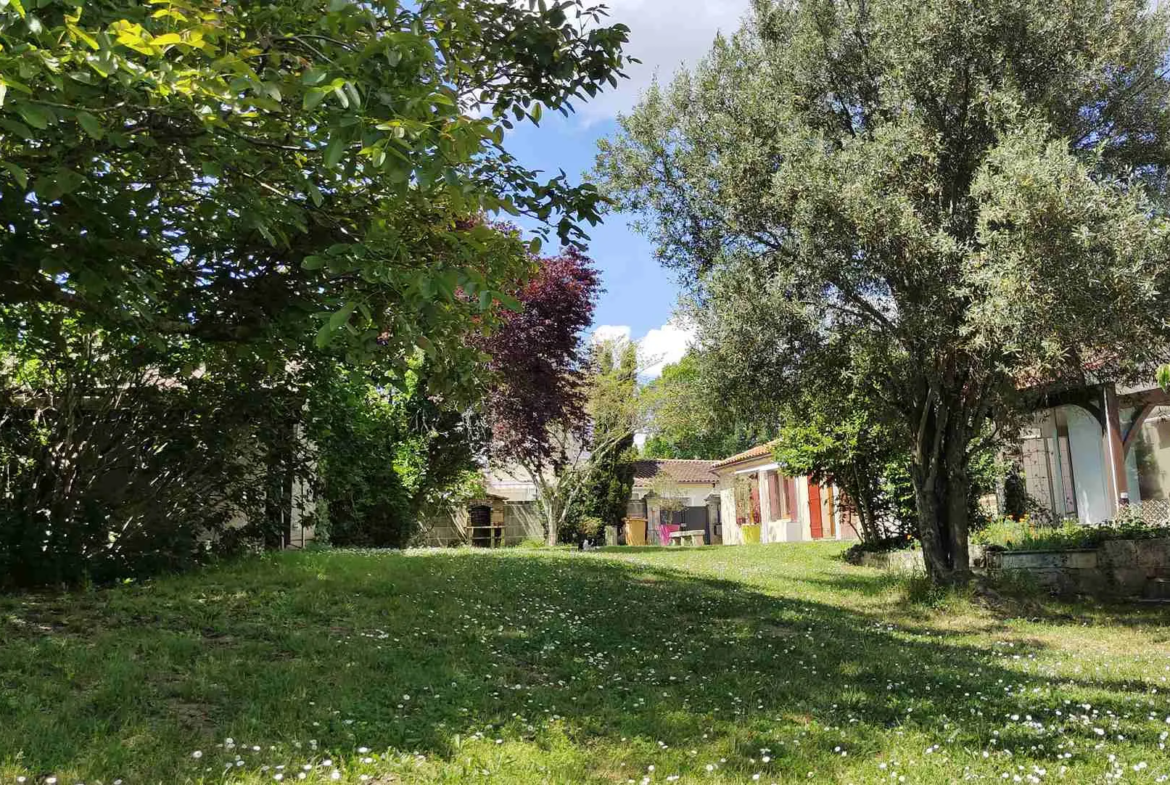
x=759, y=663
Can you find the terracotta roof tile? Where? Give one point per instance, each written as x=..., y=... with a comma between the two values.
x=677, y=470
x=759, y=451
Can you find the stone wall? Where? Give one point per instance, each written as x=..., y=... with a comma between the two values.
x=911, y=561
x=1119, y=568
x=895, y=561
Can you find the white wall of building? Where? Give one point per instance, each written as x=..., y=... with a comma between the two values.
x=731, y=532
x=773, y=527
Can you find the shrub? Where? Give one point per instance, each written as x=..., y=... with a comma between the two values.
x=357, y=432
x=1015, y=493
x=111, y=471
x=1026, y=534
x=388, y=456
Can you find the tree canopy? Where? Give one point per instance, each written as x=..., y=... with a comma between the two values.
x=685, y=420
x=614, y=418
x=958, y=198
x=538, y=394
x=259, y=173
x=257, y=247
x=537, y=364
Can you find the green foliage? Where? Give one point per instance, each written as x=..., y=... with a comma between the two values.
x=1015, y=493
x=591, y=528
x=116, y=467
x=925, y=201
x=1023, y=534
x=667, y=494
x=120, y=461
x=834, y=438
x=317, y=170
x=357, y=431
x=386, y=456
x=613, y=405
x=277, y=220
x=685, y=421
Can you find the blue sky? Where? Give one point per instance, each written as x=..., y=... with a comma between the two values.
x=639, y=292
x=640, y=295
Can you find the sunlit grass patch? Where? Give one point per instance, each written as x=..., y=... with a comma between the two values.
x=752, y=664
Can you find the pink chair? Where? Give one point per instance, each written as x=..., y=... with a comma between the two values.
x=664, y=532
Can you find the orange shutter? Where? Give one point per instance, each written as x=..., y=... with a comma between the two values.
x=775, y=510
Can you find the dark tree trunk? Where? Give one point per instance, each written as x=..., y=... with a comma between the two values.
x=941, y=487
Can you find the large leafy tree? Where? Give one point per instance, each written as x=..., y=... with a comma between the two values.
x=968, y=196
x=538, y=395
x=200, y=189
x=258, y=172
x=614, y=417
x=685, y=418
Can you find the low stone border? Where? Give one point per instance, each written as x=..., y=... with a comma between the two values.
x=895, y=561
x=910, y=561
x=1116, y=568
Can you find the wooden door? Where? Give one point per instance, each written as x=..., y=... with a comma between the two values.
x=814, y=511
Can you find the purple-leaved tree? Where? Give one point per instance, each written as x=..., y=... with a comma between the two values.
x=537, y=404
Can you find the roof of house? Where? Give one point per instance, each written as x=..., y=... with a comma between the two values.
x=759, y=451
x=676, y=470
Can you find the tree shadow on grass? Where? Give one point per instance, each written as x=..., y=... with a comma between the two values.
x=419, y=653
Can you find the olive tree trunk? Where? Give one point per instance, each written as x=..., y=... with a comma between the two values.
x=940, y=473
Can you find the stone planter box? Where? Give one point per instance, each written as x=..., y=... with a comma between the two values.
x=1118, y=568
x=895, y=561
x=910, y=561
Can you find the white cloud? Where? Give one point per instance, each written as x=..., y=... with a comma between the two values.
x=664, y=35
x=610, y=332
x=658, y=348
x=662, y=346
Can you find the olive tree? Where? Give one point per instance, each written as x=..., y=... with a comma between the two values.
x=960, y=199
